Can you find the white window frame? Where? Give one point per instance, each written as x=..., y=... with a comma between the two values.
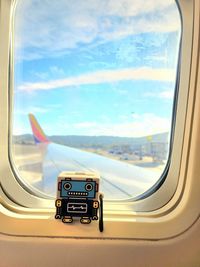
x=146, y=218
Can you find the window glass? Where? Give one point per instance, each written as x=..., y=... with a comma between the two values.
x=98, y=78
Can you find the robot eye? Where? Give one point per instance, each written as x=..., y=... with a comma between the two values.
x=67, y=186
x=88, y=187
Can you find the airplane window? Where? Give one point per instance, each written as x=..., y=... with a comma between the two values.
x=94, y=87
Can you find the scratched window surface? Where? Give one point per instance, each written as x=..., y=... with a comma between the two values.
x=99, y=78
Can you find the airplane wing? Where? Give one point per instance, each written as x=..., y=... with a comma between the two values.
x=119, y=180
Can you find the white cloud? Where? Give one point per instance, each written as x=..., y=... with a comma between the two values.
x=55, y=70
x=83, y=125
x=167, y=94
x=80, y=21
x=130, y=8
x=31, y=109
x=142, y=125
x=52, y=71
x=99, y=77
x=157, y=24
x=20, y=128
x=135, y=116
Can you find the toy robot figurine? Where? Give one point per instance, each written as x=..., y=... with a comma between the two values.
x=77, y=196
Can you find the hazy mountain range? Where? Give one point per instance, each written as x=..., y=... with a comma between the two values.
x=94, y=141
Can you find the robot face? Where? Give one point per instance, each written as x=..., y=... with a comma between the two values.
x=78, y=188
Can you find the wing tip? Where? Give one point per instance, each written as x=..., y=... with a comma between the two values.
x=38, y=133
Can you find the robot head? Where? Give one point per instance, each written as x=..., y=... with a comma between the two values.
x=78, y=185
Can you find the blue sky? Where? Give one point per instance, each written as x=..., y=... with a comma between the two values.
x=96, y=67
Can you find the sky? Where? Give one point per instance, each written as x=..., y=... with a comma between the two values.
x=95, y=67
